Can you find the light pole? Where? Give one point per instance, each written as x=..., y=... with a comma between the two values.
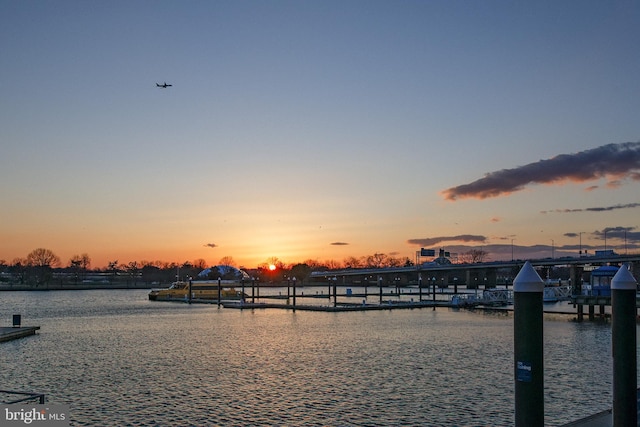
x=512, y=249
x=552, y=248
x=580, y=253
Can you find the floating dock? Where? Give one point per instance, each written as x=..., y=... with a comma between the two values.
x=601, y=419
x=338, y=307
x=13, y=333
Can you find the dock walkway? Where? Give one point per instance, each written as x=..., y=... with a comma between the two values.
x=338, y=307
x=601, y=419
x=12, y=333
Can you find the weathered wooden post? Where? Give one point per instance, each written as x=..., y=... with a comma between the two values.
x=189, y=290
x=288, y=289
x=420, y=286
x=294, y=294
x=623, y=346
x=433, y=279
x=219, y=291
x=253, y=290
x=528, y=289
x=242, y=293
x=335, y=292
x=380, y=286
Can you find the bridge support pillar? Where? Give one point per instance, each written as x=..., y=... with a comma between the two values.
x=492, y=278
x=575, y=276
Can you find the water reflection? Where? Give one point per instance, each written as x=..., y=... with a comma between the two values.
x=118, y=359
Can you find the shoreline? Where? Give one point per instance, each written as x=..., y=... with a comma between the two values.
x=78, y=287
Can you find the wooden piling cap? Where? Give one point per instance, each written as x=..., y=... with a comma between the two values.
x=623, y=280
x=528, y=280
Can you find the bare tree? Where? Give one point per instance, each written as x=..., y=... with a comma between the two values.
x=394, y=262
x=274, y=261
x=79, y=265
x=19, y=268
x=300, y=272
x=474, y=256
x=133, y=269
x=86, y=261
x=312, y=263
x=227, y=260
x=406, y=262
x=43, y=258
x=113, y=268
x=332, y=264
x=351, y=262
x=377, y=260
x=43, y=261
x=200, y=264
x=75, y=264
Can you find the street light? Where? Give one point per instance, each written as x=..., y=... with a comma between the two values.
x=580, y=253
x=512, y=249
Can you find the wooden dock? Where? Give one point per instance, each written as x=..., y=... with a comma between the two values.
x=12, y=333
x=339, y=307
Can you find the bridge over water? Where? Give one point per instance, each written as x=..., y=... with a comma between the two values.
x=479, y=275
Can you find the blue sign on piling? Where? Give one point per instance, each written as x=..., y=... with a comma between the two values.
x=623, y=346
x=528, y=289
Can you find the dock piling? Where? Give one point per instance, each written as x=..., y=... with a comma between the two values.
x=623, y=346
x=219, y=292
x=294, y=294
x=528, y=289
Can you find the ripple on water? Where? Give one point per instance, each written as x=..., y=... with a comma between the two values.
x=118, y=359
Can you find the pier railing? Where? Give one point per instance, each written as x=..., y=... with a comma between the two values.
x=8, y=397
x=505, y=296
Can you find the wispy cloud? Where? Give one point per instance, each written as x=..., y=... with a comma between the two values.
x=432, y=241
x=211, y=245
x=615, y=161
x=620, y=233
x=339, y=244
x=595, y=209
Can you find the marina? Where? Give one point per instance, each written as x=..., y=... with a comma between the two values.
x=380, y=367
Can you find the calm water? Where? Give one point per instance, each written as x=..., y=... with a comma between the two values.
x=118, y=359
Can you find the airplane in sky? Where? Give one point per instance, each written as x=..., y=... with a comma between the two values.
x=164, y=85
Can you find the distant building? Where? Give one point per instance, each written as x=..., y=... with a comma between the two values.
x=608, y=252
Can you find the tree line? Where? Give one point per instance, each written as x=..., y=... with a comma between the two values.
x=42, y=266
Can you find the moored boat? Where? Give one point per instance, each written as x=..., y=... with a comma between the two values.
x=201, y=290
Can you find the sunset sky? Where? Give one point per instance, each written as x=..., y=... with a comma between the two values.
x=318, y=129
